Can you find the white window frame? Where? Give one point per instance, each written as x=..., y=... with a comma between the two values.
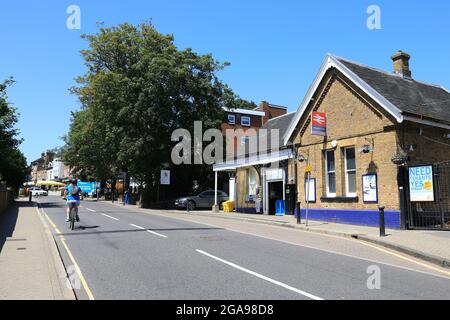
x=329, y=194
x=249, y=121
x=232, y=116
x=347, y=171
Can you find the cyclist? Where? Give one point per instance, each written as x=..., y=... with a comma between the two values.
x=72, y=194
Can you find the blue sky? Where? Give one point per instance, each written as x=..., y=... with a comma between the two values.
x=275, y=47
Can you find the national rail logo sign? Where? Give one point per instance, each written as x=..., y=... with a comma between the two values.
x=319, y=124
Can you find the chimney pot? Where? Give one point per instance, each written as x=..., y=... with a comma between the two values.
x=401, y=64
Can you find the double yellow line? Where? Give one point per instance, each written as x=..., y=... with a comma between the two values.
x=72, y=259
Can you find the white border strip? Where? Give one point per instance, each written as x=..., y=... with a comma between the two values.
x=105, y=215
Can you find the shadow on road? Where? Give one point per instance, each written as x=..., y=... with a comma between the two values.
x=52, y=204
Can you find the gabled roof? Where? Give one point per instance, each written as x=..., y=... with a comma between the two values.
x=410, y=96
x=281, y=124
x=404, y=99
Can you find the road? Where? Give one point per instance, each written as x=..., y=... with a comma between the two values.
x=126, y=254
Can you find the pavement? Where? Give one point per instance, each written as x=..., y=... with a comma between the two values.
x=30, y=265
x=131, y=253
x=429, y=246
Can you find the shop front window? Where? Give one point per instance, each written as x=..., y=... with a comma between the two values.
x=350, y=171
x=330, y=168
x=252, y=183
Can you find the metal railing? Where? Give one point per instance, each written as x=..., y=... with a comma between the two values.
x=434, y=215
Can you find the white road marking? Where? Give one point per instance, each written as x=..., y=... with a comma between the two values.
x=90, y=210
x=149, y=231
x=157, y=234
x=443, y=274
x=139, y=227
x=316, y=248
x=105, y=215
x=278, y=283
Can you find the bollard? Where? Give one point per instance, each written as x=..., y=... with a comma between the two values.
x=187, y=206
x=299, y=213
x=382, y=222
x=30, y=196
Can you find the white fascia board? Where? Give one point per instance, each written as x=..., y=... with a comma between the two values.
x=246, y=112
x=427, y=122
x=254, y=160
x=331, y=61
x=323, y=69
x=445, y=89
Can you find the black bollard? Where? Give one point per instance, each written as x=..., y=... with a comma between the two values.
x=299, y=213
x=30, y=196
x=382, y=222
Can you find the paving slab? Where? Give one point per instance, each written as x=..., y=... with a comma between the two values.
x=30, y=265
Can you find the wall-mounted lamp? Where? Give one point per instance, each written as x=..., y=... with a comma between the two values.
x=334, y=144
x=366, y=149
x=412, y=147
x=301, y=158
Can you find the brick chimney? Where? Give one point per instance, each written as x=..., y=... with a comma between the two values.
x=271, y=111
x=401, y=64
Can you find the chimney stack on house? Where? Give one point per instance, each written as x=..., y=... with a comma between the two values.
x=401, y=64
x=271, y=111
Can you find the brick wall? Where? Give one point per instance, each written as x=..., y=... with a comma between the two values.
x=424, y=144
x=271, y=111
x=353, y=121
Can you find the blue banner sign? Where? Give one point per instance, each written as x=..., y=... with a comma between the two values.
x=421, y=184
x=87, y=187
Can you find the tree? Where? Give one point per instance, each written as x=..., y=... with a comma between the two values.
x=13, y=165
x=138, y=88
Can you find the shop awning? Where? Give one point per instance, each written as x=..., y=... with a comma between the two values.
x=50, y=184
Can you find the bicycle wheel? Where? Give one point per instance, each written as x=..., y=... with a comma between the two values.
x=72, y=223
x=72, y=220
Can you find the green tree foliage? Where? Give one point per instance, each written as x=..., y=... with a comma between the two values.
x=138, y=88
x=13, y=165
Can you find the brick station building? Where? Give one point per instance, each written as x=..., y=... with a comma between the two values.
x=378, y=123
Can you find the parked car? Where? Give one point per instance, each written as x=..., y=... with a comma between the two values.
x=203, y=200
x=36, y=191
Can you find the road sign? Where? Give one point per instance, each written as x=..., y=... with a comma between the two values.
x=165, y=177
x=308, y=169
x=319, y=124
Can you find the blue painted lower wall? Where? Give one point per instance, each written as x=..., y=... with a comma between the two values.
x=354, y=217
x=369, y=218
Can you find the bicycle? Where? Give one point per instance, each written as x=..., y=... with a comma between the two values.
x=72, y=214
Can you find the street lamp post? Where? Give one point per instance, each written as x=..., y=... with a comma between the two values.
x=302, y=158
